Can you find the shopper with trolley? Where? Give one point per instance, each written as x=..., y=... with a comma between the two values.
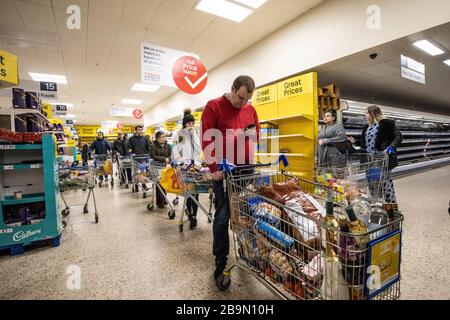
x=222, y=116
x=381, y=136
x=120, y=149
x=160, y=152
x=139, y=145
x=101, y=148
x=188, y=150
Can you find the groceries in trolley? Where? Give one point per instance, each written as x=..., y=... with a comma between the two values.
x=306, y=246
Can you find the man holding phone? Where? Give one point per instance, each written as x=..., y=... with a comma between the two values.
x=229, y=128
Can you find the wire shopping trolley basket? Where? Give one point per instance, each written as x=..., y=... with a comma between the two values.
x=140, y=171
x=103, y=167
x=282, y=236
x=155, y=173
x=76, y=178
x=364, y=175
x=124, y=165
x=194, y=181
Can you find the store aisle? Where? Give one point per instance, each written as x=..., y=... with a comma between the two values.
x=424, y=199
x=131, y=254
x=136, y=254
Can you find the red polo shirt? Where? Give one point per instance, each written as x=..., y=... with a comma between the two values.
x=231, y=123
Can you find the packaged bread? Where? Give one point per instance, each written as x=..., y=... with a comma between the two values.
x=266, y=212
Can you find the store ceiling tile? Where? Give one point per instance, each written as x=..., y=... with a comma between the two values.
x=64, y=4
x=36, y=16
x=9, y=16
x=380, y=70
x=168, y=17
x=213, y=34
x=139, y=12
x=193, y=24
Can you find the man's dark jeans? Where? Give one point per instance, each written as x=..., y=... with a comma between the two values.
x=221, y=242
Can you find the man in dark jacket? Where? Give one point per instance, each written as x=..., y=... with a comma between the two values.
x=160, y=152
x=120, y=148
x=101, y=147
x=138, y=144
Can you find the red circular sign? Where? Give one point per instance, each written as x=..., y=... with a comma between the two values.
x=120, y=125
x=190, y=75
x=138, y=114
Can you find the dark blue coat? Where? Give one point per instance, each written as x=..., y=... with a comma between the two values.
x=100, y=146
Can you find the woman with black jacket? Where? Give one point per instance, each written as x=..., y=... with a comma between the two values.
x=160, y=151
x=382, y=135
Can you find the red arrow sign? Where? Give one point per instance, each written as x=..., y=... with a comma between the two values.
x=138, y=114
x=190, y=75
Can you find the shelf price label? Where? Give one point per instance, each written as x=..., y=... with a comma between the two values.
x=8, y=167
x=35, y=166
x=7, y=147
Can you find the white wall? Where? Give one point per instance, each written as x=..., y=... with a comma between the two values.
x=334, y=29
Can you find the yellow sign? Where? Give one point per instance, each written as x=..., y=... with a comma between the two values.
x=47, y=109
x=296, y=86
x=170, y=126
x=71, y=143
x=197, y=116
x=91, y=131
x=150, y=131
x=264, y=95
x=55, y=121
x=384, y=264
x=9, y=74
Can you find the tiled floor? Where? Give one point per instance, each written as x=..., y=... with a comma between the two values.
x=136, y=254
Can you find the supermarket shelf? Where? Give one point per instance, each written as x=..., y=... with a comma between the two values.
x=308, y=116
x=25, y=199
x=20, y=166
x=421, y=154
x=283, y=136
x=423, y=147
x=20, y=146
x=279, y=154
x=18, y=111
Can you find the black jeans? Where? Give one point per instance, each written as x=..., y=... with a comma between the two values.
x=192, y=206
x=221, y=241
x=160, y=199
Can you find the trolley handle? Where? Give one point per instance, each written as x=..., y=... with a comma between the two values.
x=228, y=167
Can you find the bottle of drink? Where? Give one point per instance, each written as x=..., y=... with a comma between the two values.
x=330, y=230
x=357, y=228
x=378, y=216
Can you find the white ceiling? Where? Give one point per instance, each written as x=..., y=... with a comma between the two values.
x=102, y=60
x=379, y=81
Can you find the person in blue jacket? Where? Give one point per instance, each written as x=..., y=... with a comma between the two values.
x=101, y=147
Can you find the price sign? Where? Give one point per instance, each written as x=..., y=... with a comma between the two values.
x=8, y=167
x=35, y=166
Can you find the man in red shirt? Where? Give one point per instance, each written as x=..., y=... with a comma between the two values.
x=229, y=128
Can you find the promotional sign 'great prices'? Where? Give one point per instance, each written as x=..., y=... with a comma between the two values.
x=190, y=75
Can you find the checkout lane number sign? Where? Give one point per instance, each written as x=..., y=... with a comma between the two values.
x=189, y=74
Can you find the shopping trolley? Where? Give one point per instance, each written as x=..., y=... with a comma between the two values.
x=194, y=182
x=154, y=174
x=365, y=174
x=290, y=249
x=103, y=167
x=76, y=178
x=140, y=171
x=124, y=164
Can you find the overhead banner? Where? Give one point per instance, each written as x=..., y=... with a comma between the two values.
x=172, y=68
x=9, y=73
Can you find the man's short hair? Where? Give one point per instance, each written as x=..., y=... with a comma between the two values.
x=137, y=127
x=245, y=81
x=100, y=132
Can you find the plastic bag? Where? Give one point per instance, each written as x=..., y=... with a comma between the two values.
x=169, y=180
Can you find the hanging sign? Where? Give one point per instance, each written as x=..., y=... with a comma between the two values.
x=190, y=75
x=138, y=114
x=172, y=68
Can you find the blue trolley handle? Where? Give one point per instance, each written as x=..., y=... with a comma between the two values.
x=228, y=167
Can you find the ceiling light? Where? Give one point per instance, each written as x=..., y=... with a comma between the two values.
x=428, y=47
x=48, y=77
x=144, y=87
x=252, y=3
x=131, y=101
x=225, y=9
x=447, y=62
x=68, y=105
x=68, y=116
